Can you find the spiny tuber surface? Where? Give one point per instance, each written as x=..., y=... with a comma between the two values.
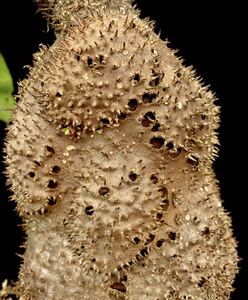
x=109, y=156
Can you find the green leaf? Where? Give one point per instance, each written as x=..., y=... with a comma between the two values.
x=7, y=101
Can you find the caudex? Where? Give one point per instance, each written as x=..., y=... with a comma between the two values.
x=109, y=155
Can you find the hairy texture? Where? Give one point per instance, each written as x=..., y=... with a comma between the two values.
x=110, y=157
x=60, y=13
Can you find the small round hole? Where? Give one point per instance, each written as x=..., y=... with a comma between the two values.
x=150, y=239
x=157, y=142
x=169, y=145
x=165, y=204
x=160, y=243
x=124, y=278
x=90, y=61
x=148, y=118
x=148, y=97
x=156, y=127
x=52, y=184
x=130, y=263
x=104, y=121
x=133, y=176
x=206, y=231
x=132, y=104
x=103, y=191
x=52, y=201
x=159, y=216
x=136, y=77
x=172, y=235
x=31, y=174
x=136, y=240
x=157, y=78
x=202, y=282
x=144, y=252
x=119, y=286
x=155, y=81
x=122, y=116
x=89, y=210
x=101, y=59
x=164, y=192
x=56, y=169
x=50, y=149
x=150, y=115
x=154, y=178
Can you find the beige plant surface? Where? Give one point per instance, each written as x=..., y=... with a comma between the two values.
x=109, y=156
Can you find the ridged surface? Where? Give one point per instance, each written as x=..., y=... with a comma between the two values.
x=110, y=156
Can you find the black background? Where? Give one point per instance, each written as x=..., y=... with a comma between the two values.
x=208, y=36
